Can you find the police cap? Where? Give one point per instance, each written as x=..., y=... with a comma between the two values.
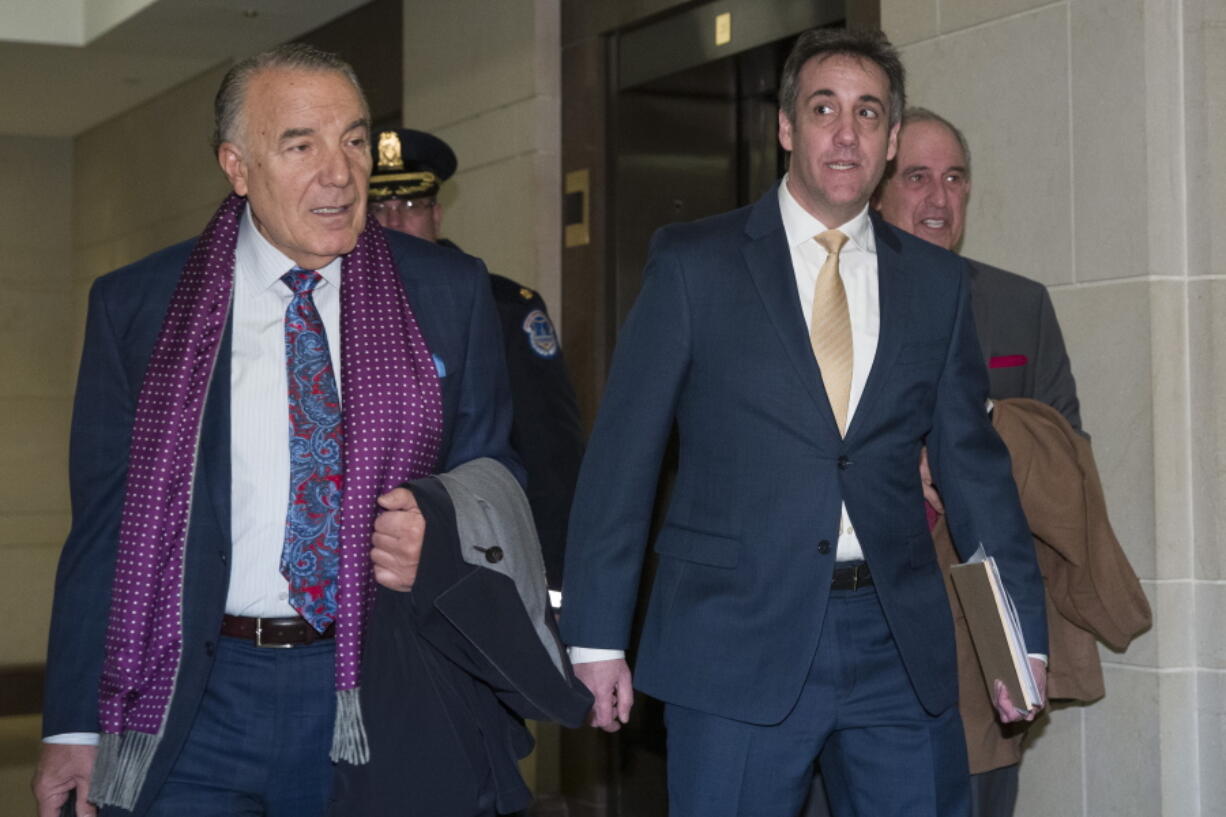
x=408, y=164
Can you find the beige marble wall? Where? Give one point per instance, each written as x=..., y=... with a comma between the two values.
x=1098, y=129
x=36, y=358
x=144, y=180
x=492, y=92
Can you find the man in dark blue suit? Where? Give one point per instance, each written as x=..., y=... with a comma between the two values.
x=798, y=609
x=246, y=729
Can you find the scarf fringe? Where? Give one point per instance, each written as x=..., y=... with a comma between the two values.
x=122, y=763
x=349, y=743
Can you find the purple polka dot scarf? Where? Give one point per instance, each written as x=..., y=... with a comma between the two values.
x=393, y=427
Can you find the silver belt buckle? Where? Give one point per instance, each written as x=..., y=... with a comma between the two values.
x=259, y=637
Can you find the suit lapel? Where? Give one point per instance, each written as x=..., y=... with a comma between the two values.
x=214, y=457
x=892, y=296
x=770, y=266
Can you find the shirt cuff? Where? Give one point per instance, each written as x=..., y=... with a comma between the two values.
x=1041, y=656
x=586, y=655
x=73, y=738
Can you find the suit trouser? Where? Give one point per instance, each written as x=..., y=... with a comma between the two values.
x=260, y=740
x=858, y=712
x=994, y=793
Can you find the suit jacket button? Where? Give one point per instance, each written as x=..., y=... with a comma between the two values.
x=493, y=555
x=844, y=463
x=823, y=547
x=209, y=647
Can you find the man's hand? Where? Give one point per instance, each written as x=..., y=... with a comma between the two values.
x=930, y=490
x=396, y=543
x=61, y=768
x=1006, y=711
x=609, y=683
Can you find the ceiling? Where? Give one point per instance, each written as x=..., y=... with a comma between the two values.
x=67, y=65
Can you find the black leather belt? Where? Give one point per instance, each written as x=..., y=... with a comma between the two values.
x=274, y=632
x=851, y=576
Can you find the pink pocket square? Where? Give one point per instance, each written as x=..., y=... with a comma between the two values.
x=1007, y=361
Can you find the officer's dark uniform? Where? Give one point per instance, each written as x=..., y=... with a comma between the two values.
x=546, y=430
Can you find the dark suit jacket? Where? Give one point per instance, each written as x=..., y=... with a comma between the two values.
x=1021, y=340
x=717, y=344
x=450, y=296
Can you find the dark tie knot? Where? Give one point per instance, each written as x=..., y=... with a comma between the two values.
x=301, y=281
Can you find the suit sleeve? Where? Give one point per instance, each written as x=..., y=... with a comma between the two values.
x=971, y=465
x=1054, y=384
x=483, y=418
x=610, y=519
x=98, y=461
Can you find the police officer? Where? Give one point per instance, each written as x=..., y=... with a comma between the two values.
x=409, y=166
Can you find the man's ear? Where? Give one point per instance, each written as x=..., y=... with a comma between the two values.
x=891, y=149
x=230, y=157
x=436, y=214
x=785, y=131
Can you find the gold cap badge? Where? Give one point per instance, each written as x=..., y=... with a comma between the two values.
x=389, y=151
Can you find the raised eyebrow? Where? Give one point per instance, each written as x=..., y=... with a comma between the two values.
x=957, y=169
x=907, y=171
x=873, y=99
x=363, y=124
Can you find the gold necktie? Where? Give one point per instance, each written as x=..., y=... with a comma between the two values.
x=830, y=331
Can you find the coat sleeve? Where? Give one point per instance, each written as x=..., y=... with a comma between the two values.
x=610, y=519
x=483, y=417
x=1054, y=384
x=98, y=462
x=971, y=465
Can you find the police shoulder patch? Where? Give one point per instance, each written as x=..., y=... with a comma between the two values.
x=541, y=335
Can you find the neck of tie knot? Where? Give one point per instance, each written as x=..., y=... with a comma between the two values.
x=831, y=240
x=301, y=281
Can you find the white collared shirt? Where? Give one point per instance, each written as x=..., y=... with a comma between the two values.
x=858, y=269
x=259, y=417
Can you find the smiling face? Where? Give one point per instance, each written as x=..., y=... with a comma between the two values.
x=302, y=161
x=927, y=194
x=840, y=139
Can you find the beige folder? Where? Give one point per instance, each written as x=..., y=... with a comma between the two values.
x=995, y=630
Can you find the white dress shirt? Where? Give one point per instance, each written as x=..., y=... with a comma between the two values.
x=259, y=418
x=858, y=269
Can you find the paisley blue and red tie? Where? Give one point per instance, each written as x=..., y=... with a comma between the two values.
x=310, y=558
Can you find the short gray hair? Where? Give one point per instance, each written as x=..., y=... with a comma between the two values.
x=228, y=105
x=917, y=114
x=861, y=44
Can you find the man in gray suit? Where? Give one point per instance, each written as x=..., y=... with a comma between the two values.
x=924, y=192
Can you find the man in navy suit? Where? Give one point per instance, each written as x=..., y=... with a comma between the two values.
x=248, y=729
x=798, y=609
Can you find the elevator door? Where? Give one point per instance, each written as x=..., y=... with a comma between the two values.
x=687, y=145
